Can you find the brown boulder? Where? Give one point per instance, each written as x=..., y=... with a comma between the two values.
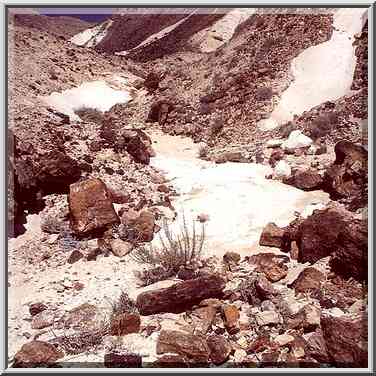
x=36, y=354
x=171, y=361
x=90, y=206
x=347, y=178
x=181, y=296
x=125, y=323
x=36, y=308
x=138, y=145
x=271, y=236
x=142, y=227
x=315, y=346
x=202, y=319
x=271, y=265
x=159, y=111
x=220, y=349
x=75, y=256
x=308, y=279
x=346, y=341
x=350, y=258
x=194, y=347
x=122, y=360
x=231, y=317
x=307, y=180
x=330, y=232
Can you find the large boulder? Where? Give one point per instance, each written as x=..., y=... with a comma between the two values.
x=181, y=296
x=159, y=111
x=37, y=354
x=346, y=340
x=193, y=347
x=138, y=145
x=90, y=207
x=307, y=180
x=347, y=178
x=309, y=279
x=271, y=236
x=337, y=233
x=37, y=165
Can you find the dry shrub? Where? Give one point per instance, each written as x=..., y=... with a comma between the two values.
x=123, y=304
x=175, y=251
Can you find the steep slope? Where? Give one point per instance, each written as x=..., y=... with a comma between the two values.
x=63, y=26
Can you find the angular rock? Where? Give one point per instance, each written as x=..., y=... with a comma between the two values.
x=203, y=318
x=316, y=346
x=344, y=237
x=306, y=180
x=172, y=361
x=231, y=318
x=142, y=227
x=42, y=320
x=296, y=140
x=346, y=341
x=271, y=265
x=309, y=279
x=282, y=170
x=120, y=247
x=81, y=317
x=36, y=354
x=271, y=236
x=180, y=296
x=138, y=145
x=122, y=360
x=194, y=347
x=125, y=323
x=231, y=257
x=75, y=256
x=90, y=206
x=159, y=111
x=347, y=177
x=351, y=255
x=220, y=349
x=36, y=308
x=267, y=318
x=283, y=339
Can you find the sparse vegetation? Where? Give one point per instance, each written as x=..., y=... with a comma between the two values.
x=175, y=251
x=123, y=304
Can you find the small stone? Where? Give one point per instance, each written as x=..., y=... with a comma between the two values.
x=35, y=308
x=42, y=320
x=75, y=256
x=283, y=339
x=267, y=318
x=120, y=247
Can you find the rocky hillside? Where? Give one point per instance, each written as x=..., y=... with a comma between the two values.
x=154, y=222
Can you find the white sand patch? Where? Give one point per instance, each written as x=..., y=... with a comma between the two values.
x=220, y=32
x=91, y=37
x=97, y=95
x=236, y=196
x=321, y=73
